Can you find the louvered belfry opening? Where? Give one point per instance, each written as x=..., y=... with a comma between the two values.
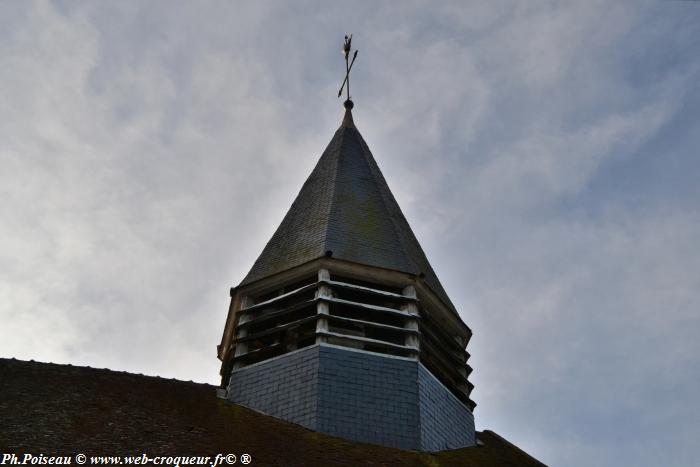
x=336, y=309
x=333, y=310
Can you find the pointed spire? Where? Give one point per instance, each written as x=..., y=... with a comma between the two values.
x=347, y=208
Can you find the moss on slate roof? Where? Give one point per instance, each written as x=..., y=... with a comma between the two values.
x=62, y=409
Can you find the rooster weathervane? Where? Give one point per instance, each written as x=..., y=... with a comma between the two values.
x=348, y=66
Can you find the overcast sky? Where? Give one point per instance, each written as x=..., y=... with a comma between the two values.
x=545, y=154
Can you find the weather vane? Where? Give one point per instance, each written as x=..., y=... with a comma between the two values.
x=348, y=66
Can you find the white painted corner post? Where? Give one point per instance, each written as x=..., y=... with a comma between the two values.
x=411, y=323
x=242, y=347
x=322, y=308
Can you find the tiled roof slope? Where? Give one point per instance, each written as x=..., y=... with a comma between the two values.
x=54, y=409
x=346, y=207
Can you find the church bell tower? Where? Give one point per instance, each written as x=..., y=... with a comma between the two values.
x=341, y=325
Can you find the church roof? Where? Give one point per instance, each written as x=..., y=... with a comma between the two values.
x=54, y=409
x=345, y=208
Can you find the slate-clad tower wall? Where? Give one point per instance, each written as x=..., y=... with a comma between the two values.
x=342, y=325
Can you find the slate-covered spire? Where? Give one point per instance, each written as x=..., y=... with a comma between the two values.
x=346, y=210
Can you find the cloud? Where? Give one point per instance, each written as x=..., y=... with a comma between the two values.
x=542, y=153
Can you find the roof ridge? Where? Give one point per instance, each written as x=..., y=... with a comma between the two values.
x=94, y=369
x=343, y=128
x=397, y=218
x=374, y=167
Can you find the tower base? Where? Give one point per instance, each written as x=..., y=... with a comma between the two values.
x=357, y=395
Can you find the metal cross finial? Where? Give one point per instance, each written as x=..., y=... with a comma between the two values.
x=348, y=66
